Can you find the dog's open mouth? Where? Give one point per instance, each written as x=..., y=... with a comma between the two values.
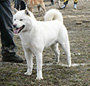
x=18, y=30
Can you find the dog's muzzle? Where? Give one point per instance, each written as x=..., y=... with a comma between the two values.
x=18, y=30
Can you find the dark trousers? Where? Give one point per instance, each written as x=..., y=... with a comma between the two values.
x=6, y=28
x=52, y=1
x=19, y=4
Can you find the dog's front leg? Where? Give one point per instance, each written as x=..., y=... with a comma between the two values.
x=29, y=59
x=39, y=66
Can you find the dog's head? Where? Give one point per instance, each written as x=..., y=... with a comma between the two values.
x=22, y=21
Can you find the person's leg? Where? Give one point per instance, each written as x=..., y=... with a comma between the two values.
x=75, y=3
x=23, y=5
x=6, y=27
x=17, y=4
x=52, y=2
x=64, y=4
x=20, y=4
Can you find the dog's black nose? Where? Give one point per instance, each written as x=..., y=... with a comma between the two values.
x=14, y=25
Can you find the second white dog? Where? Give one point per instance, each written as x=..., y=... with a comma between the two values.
x=36, y=35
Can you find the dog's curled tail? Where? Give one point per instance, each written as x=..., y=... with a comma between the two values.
x=53, y=14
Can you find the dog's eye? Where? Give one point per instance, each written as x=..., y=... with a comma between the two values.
x=21, y=19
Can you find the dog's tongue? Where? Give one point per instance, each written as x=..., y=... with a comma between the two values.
x=16, y=31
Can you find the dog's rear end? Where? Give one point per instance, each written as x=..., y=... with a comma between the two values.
x=39, y=3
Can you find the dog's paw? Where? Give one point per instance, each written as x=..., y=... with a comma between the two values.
x=27, y=73
x=69, y=65
x=39, y=78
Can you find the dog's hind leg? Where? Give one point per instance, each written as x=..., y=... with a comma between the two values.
x=66, y=47
x=43, y=7
x=56, y=51
x=29, y=59
x=38, y=8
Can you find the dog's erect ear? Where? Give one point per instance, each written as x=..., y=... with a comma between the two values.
x=15, y=10
x=27, y=13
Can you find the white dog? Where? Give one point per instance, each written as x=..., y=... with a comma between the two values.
x=36, y=35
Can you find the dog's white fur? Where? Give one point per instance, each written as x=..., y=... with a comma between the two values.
x=36, y=35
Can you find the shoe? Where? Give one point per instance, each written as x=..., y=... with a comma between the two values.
x=12, y=58
x=63, y=6
x=75, y=6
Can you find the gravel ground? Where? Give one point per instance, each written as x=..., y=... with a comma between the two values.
x=77, y=23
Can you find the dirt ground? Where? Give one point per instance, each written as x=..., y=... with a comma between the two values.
x=77, y=23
